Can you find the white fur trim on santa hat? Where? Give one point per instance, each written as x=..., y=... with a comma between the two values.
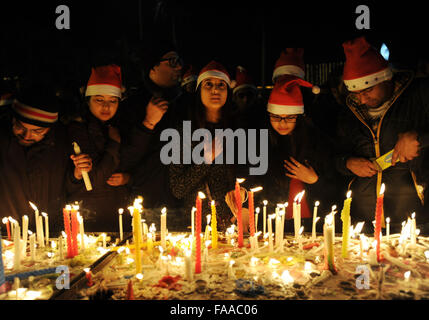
x=242, y=86
x=288, y=69
x=213, y=74
x=368, y=81
x=284, y=109
x=103, y=89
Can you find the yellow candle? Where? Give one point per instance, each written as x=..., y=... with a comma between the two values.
x=214, y=226
x=137, y=239
x=345, y=217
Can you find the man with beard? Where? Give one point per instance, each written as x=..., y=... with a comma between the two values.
x=385, y=111
x=33, y=156
x=158, y=105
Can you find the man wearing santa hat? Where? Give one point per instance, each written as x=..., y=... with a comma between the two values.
x=33, y=155
x=385, y=111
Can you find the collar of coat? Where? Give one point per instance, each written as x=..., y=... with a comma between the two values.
x=401, y=80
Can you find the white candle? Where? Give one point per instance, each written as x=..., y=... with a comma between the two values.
x=24, y=235
x=264, y=213
x=231, y=274
x=284, y=220
x=333, y=212
x=388, y=228
x=256, y=218
x=81, y=231
x=206, y=251
x=164, y=227
x=36, y=221
x=188, y=265
x=17, y=246
x=60, y=248
x=193, y=221
x=300, y=238
x=413, y=228
x=121, y=230
x=32, y=245
x=207, y=229
x=278, y=221
x=270, y=232
x=85, y=175
x=313, y=231
x=45, y=215
x=42, y=236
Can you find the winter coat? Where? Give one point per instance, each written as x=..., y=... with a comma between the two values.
x=141, y=147
x=408, y=110
x=36, y=173
x=99, y=206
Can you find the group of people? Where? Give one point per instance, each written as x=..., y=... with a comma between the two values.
x=377, y=110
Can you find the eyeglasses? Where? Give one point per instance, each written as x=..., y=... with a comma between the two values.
x=209, y=85
x=19, y=128
x=276, y=118
x=173, y=61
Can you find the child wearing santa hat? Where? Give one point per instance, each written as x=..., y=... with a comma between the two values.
x=299, y=154
x=98, y=137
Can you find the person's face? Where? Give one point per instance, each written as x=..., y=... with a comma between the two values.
x=168, y=72
x=28, y=134
x=214, y=93
x=374, y=96
x=283, y=123
x=244, y=98
x=103, y=107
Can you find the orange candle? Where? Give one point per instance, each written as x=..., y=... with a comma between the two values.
x=66, y=215
x=198, y=233
x=378, y=214
x=239, y=218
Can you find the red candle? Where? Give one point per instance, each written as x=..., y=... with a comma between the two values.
x=239, y=219
x=66, y=214
x=88, y=276
x=8, y=229
x=75, y=230
x=198, y=233
x=251, y=214
x=378, y=214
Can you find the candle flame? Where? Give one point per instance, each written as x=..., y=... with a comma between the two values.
x=407, y=275
x=317, y=219
x=201, y=195
x=256, y=189
x=349, y=194
x=328, y=219
x=296, y=198
x=301, y=195
x=301, y=230
x=240, y=180
x=207, y=243
x=231, y=262
x=271, y=216
x=413, y=215
x=44, y=214
x=164, y=210
x=33, y=206
x=121, y=211
x=86, y=270
x=139, y=276
x=265, y=202
x=382, y=189
x=286, y=204
x=5, y=220
x=68, y=207
x=286, y=277
x=307, y=266
x=30, y=232
x=387, y=220
x=213, y=203
x=75, y=207
x=317, y=203
x=193, y=210
x=427, y=254
x=257, y=210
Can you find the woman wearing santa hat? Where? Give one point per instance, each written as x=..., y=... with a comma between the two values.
x=299, y=154
x=212, y=110
x=97, y=135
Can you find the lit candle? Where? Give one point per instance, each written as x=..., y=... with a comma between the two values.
x=85, y=175
x=264, y=216
x=164, y=227
x=121, y=230
x=328, y=235
x=296, y=218
x=333, y=212
x=24, y=235
x=207, y=229
x=214, y=225
x=45, y=215
x=206, y=251
x=301, y=195
x=251, y=210
x=388, y=228
x=137, y=237
x=193, y=221
x=67, y=229
x=39, y=229
x=198, y=205
x=378, y=214
x=313, y=230
x=278, y=231
x=238, y=204
x=7, y=223
x=413, y=228
x=88, y=276
x=345, y=217
x=270, y=232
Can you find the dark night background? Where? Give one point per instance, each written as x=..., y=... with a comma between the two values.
x=232, y=31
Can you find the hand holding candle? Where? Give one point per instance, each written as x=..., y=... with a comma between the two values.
x=85, y=175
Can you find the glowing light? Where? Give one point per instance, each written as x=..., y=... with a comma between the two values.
x=287, y=278
x=349, y=194
x=121, y=211
x=139, y=276
x=256, y=189
x=317, y=203
x=240, y=180
x=382, y=188
x=34, y=206
x=407, y=275
x=265, y=202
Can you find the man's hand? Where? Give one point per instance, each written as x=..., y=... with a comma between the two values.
x=118, y=179
x=406, y=148
x=361, y=167
x=82, y=162
x=155, y=110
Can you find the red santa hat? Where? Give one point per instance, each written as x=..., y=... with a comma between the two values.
x=243, y=79
x=190, y=75
x=364, y=66
x=105, y=80
x=286, y=96
x=215, y=70
x=290, y=62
